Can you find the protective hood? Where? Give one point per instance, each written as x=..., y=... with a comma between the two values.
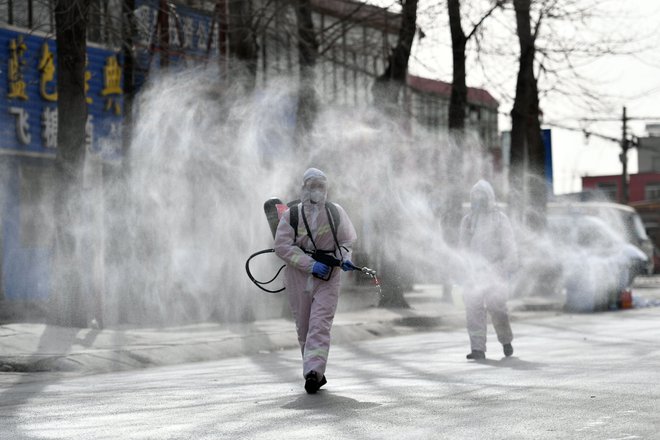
x=315, y=187
x=312, y=173
x=482, y=197
x=487, y=234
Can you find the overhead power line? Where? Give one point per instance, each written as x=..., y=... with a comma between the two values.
x=626, y=142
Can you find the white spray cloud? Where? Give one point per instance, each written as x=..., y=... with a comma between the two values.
x=187, y=211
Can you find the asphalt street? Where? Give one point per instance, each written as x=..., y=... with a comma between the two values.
x=572, y=377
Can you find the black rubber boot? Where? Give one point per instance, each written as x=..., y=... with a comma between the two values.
x=312, y=383
x=476, y=355
x=508, y=349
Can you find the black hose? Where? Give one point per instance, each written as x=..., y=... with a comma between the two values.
x=258, y=283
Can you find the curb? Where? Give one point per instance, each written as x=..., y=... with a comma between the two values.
x=86, y=351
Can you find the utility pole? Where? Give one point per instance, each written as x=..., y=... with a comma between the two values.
x=624, y=159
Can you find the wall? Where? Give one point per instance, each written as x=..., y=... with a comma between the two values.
x=648, y=155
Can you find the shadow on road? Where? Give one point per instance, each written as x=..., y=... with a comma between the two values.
x=325, y=401
x=513, y=363
x=56, y=342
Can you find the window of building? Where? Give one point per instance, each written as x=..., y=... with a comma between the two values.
x=473, y=114
x=608, y=189
x=655, y=164
x=652, y=191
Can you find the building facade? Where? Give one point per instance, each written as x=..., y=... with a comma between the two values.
x=429, y=103
x=641, y=186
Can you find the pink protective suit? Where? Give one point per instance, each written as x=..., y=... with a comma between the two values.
x=313, y=301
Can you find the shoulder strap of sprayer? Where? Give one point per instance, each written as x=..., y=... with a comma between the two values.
x=333, y=218
x=293, y=217
x=293, y=220
x=333, y=213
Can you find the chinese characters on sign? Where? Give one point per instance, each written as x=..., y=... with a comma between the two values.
x=112, y=85
x=17, y=85
x=28, y=109
x=49, y=127
x=47, y=69
x=22, y=125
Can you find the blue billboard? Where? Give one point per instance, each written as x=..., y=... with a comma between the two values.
x=28, y=95
x=28, y=142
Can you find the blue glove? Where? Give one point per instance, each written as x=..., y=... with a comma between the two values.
x=347, y=265
x=320, y=269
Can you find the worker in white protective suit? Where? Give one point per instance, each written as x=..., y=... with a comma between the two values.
x=487, y=236
x=313, y=286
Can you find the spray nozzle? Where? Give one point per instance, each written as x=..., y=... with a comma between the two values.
x=365, y=269
x=370, y=272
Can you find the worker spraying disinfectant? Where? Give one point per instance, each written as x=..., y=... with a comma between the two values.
x=314, y=238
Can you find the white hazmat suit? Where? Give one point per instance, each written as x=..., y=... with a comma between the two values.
x=313, y=301
x=487, y=236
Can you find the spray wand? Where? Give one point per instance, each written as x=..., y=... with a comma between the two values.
x=367, y=271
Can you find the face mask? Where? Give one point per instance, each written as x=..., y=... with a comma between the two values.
x=316, y=195
x=316, y=189
x=479, y=204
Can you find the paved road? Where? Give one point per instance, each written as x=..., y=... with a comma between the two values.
x=572, y=377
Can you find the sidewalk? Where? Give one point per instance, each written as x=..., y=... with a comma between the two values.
x=28, y=347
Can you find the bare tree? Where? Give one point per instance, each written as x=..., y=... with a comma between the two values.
x=459, y=41
x=71, y=32
x=388, y=86
x=526, y=141
x=556, y=38
x=128, y=36
x=387, y=91
x=243, y=50
x=308, y=48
